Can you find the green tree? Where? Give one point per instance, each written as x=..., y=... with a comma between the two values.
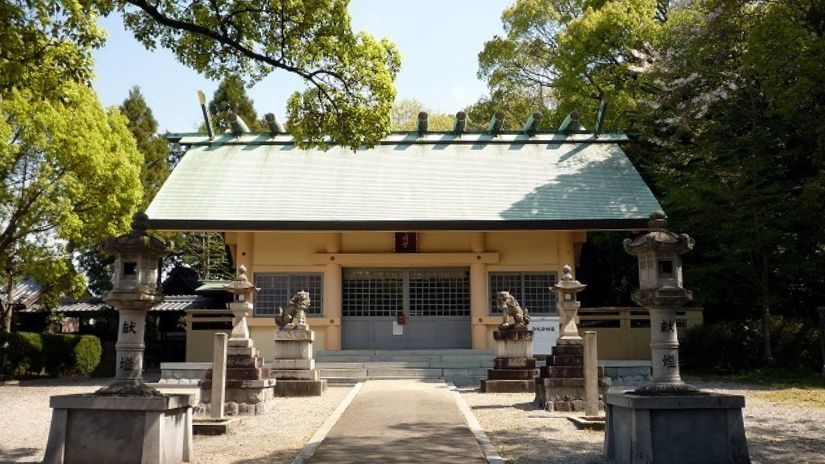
x=155, y=150
x=46, y=43
x=231, y=96
x=69, y=176
x=144, y=127
x=349, y=76
x=404, y=117
x=559, y=56
x=743, y=169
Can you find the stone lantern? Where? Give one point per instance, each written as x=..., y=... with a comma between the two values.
x=241, y=307
x=128, y=420
x=568, y=304
x=135, y=289
x=660, y=280
x=668, y=420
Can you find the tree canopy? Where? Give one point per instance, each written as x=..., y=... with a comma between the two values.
x=69, y=176
x=405, y=113
x=729, y=125
x=349, y=76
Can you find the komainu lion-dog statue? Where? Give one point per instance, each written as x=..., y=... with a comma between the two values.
x=295, y=315
x=510, y=309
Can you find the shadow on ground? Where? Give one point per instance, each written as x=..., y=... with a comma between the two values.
x=15, y=455
x=435, y=442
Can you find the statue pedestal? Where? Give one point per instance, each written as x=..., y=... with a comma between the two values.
x=676, y=429
x=514, y=368
x=560, y=386
x=120, y=429
x=294, y=365
x=248, y=382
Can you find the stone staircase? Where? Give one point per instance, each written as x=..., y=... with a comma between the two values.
x=458, y=366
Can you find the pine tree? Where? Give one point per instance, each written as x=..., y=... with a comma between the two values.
x=231, y=96
x=144, y=127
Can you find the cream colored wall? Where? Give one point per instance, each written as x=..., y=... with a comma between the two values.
x=482, y=252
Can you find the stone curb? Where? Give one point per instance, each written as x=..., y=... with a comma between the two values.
x=312, y=445
x=487, y=447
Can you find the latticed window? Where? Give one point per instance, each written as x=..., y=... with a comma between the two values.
x=439, y=293
x=531, y=289
x=373, y=293
x=419, y=293
x=278, y=288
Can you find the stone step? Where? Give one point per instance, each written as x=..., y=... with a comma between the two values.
x=404, y=373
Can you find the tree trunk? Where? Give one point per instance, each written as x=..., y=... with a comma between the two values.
x=766, y=308
x=7, y=306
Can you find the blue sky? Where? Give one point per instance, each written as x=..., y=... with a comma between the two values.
x=439, y=41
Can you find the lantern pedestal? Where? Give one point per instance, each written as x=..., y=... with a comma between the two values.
x=560, y=386
x=248, y=386
x=515, y=367
x=676, y=429
x=120, y=429
x=294, y=365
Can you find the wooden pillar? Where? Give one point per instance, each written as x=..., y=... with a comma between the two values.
x=244, y=250
x=333, y=295
x=478, y=293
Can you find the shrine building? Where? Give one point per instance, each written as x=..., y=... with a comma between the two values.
x=401, y=246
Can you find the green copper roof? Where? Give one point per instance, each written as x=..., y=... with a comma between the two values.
x=437, y=181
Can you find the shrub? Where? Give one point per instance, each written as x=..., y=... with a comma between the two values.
x=70, y=354
x=21, y=353
x=729, y=347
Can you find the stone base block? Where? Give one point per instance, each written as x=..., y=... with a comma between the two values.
x=293, y=349
x=112, y=429
x=512, y=374
x=305, y=364
x=241, y=400
x=295, y=374
x=677, y=429
x=588, y=423
x=212, y=426
x=515, y=347
x=240, y=343
x=514, y=363
x=508, y=386
x=294, y=335
x=246, y=352
x=565, y=394
x=300, y=387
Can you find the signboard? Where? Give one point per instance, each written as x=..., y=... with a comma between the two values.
x=397, y=329
x=545, y=333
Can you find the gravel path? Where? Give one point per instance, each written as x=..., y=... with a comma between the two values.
x=275, y=437
x=777, y=433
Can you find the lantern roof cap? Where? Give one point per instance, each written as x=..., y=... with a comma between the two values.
x=241, y=284
x=659, y=239
x=137, y=240
x=567, y=282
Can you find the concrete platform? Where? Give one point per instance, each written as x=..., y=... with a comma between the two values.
x=676, y=429
x=508, y=386
x=300, y=387
x=213, y=426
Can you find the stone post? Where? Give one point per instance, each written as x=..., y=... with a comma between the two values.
x=822, y=334
x=218, y=376
x=130, y=346
x=664, y=346
x=591, y=375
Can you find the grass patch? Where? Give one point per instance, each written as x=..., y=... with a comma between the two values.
x=799, y=397
x=789, y=388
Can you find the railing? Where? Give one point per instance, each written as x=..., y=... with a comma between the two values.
x=624, y=333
